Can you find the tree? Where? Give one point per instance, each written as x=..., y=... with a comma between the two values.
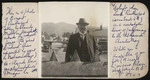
x=53, y=35
x=66, y=34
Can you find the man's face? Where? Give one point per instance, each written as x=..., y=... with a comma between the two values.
x=82, y=28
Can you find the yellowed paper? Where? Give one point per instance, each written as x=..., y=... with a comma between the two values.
x=127, y=38
x=20, y=40
x=128, y=43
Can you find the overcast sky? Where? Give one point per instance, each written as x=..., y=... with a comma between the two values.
x=95, y=13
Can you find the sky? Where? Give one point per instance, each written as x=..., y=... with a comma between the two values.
x=95, y=13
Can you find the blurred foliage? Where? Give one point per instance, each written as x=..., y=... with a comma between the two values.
x=66, y=34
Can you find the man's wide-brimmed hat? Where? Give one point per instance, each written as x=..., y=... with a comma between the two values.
x=82, y=21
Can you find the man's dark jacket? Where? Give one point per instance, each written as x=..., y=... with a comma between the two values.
x=74, y=43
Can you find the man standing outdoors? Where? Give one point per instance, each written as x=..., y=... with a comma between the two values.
x=83, y=43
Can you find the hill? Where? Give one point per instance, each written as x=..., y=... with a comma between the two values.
x=58, y=28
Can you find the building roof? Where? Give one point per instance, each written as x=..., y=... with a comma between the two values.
x=100, y=33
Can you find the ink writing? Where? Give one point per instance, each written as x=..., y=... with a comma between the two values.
x=127, y=33
x=19, y=39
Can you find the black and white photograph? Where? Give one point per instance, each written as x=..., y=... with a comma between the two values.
x=74, y=39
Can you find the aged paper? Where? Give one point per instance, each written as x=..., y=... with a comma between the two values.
x=20, y=40
x=128, y=40
x=120, y=30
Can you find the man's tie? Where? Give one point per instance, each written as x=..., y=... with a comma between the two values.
x=82, y=36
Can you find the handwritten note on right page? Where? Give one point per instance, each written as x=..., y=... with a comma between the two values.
x=128, y=40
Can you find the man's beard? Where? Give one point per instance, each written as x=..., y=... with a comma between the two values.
x=83, y=32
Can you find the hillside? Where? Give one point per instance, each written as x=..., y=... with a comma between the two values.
x=61, y=27
x=58, y=28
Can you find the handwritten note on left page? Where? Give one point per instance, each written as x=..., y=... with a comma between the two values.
x=20, y=40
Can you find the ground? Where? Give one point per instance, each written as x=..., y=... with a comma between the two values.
x=59, y=68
